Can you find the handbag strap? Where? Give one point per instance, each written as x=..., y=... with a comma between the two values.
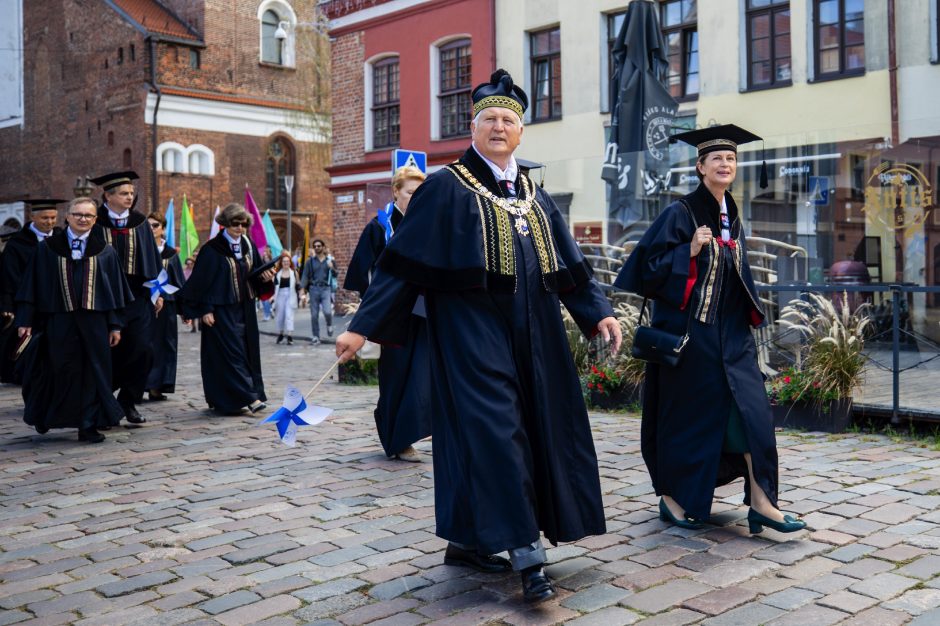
x=688, y=324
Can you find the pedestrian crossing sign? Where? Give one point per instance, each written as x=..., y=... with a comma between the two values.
x=818, y=187
x=414, y=158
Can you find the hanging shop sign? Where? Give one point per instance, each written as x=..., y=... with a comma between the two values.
x=588, y=232
x=898, y=197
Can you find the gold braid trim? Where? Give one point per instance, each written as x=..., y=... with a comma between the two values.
x=233, y=270
x=132, y=248
x=91, y=266
x=64, y=283
x=498, y=101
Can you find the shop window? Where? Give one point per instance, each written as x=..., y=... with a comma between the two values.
x=385, y=103
x=768, y=43
x=613, y=22
x=278, y=164
x=839, y=38
x=545, y=58
x=679, y=21
x=278, y=27
x=454, y=96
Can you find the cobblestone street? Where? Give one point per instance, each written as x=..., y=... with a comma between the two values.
x=198, y=519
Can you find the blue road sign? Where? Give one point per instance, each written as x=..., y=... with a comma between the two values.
x=818, y=187
x=414, y=158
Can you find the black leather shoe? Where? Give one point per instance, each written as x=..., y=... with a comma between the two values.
x=133, y=416
x=536, y=587
x=42, y=430
x=90, y=435
x=486, y=563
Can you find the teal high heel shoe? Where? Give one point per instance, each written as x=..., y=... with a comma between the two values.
x=666, y=515
x=790, y=524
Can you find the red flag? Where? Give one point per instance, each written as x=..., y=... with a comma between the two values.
x=257, y=227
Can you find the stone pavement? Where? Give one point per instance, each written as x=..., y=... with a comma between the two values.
x=196, y=519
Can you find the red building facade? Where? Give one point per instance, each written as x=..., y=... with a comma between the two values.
x=402, y=73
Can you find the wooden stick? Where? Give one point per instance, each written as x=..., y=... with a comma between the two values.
x=322, y=378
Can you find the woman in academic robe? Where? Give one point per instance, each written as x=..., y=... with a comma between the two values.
x=221, y=293
x=162, y=378
x=402, y=415
x=706, y=421
x=71, y=300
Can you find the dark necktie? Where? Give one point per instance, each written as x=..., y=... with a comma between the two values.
x=508, y=188
x=236, y=248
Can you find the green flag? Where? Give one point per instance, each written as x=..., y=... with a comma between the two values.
x=189, y=238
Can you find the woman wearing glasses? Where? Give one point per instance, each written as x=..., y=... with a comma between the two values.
x=221, y=293
x=162, y=378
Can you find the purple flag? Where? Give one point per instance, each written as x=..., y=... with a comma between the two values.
x=257, y=227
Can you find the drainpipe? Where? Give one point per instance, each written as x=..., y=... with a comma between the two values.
x=893, y=75
x=154, y=188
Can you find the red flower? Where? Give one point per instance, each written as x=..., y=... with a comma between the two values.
x=786, y=379
x=600, y=387
x=594, y=369
x=603, y=375
x=590, y=385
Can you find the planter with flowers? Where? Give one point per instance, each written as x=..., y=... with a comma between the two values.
x=609, y=390
x=816, y=393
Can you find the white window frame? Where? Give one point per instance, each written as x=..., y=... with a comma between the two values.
x=179, y=157
x=434, y=52
x=199, y=150
x=367, y=94
x=288, y=19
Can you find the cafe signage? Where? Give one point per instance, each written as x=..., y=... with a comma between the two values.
x=898, y=197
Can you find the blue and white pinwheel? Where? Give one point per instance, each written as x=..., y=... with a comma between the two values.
x=294, y=413
x=160, y=286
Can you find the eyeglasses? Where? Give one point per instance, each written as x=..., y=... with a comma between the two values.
x=155, y=225
x=83, y=216
x=239, y=224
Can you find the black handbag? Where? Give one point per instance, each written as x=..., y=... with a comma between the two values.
x=659, y=346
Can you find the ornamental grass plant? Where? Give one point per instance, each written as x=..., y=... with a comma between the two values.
x=829, y=359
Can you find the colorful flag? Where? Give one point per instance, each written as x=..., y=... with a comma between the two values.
x=295, y=412
x=215, y=228
x=257, y=228
x=170, y=225
x=274, y=242
x=189, y=238
x=303, y=252
x=160, y=286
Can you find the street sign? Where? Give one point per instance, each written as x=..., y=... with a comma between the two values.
x=414, y=158
x=818, y=187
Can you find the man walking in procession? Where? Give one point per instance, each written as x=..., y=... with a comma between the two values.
x=513, y=453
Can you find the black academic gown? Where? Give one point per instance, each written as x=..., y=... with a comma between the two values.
x=686, y=408
x=403, y=412
x=513, y=453
x=72, y=305
x=140, y=261
x=166, y=329
x=230, y=349
x=13, y=261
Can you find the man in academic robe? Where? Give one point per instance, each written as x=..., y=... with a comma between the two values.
x=69, y=301
x=43, y=214
x=128, y=232
x=513, y=452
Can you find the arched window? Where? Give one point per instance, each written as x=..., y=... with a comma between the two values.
x=279, y=163
x=128, y=160
x=170, y=157
x=201, y=160
x=278, y=26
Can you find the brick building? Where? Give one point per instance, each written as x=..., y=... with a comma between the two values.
x=201, y=97
x=405, y=70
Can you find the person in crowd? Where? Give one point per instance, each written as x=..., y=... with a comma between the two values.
x=187, y=271
x=221, y=293
x=162, y=379
x=43, y=215
x=318, y=271
x=128, y=232
x=70, y=300
x=266, y=303
x=285, y=298
x=513, y=452
x=402, y=415
x=706, y=421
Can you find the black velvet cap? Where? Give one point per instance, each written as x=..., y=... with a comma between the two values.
x=42, y=204
x=500, y=92
x=714, y=138
x=115, y=179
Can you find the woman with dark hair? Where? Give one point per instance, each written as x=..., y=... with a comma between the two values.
x=162, y=378
x=285, y=299
x=221, y=293
x=706, y=421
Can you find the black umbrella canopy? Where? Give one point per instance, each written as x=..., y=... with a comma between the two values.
x=642, y=114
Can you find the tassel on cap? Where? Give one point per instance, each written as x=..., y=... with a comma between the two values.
x=763, y=168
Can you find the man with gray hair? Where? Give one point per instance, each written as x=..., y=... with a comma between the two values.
x=513, y=453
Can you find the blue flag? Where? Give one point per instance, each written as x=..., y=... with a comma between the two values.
x=274, y=242
x=295, y=412
x=170, y=225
